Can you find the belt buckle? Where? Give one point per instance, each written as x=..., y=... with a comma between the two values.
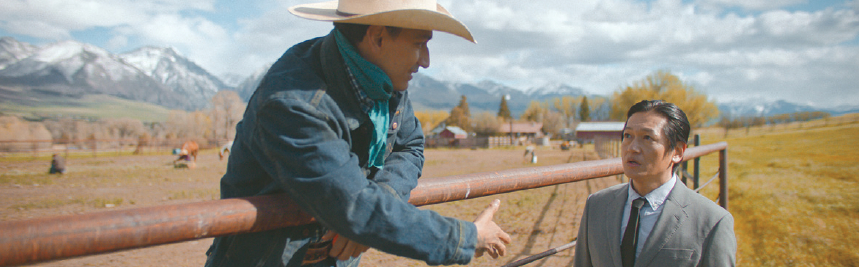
x=317, y=252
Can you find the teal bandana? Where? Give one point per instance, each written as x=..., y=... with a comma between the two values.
x=378, y=86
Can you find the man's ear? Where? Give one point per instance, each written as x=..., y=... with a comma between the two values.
x=678, y=153
x=373, y=38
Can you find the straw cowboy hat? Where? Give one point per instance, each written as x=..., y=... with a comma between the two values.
x=411, y=14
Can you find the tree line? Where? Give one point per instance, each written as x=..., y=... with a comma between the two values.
x=216, y=123
x=727, y=122
x=566, y=112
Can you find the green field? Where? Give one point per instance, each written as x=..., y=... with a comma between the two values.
x=89, y=106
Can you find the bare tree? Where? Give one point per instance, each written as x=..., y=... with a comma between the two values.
x=226, y=112
x=486, y=124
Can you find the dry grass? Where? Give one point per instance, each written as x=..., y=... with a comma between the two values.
x=793, y=193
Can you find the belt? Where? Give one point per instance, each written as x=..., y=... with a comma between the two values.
x=317, y=252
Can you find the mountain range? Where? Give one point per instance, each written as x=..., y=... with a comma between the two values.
x=161, y=76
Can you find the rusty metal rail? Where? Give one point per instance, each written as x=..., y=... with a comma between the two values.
x=60, y=237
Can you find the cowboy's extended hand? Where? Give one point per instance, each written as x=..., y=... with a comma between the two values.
x=343, y=248
x=490, y=237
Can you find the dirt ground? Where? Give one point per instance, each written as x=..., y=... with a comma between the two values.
x=537, y=219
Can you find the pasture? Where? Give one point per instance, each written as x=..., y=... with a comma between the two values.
x=792, y=193
x=536, y=219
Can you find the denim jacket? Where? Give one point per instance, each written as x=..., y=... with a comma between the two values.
x=304, y=134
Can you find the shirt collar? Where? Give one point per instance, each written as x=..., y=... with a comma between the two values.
x=656, y=197
x=364, y=100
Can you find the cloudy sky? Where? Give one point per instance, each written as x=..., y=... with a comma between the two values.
x=803, y=51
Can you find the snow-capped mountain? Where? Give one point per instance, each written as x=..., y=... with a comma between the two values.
x=162, y=76
x=73, y=69
x=554, y=90
x=178, y=73
x=428, y=93
x=247, y=87
x=12, y=51
x=765, y=108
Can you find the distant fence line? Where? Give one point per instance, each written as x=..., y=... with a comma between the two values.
x=607, y=146
x=162, y=145
x=480, y=142
x=95, y=146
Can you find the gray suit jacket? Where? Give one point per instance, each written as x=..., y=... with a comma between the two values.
x=691, y=231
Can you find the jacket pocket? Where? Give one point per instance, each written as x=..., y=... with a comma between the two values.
x=679, y=257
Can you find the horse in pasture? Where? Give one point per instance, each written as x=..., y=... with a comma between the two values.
x=189, y=149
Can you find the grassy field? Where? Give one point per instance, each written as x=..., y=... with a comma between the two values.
x=793, y=192
x=93, y=106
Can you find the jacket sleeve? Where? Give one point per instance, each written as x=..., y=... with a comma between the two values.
x=583, y=254
x=301, y=147
x=720, y=247
x=403, y=165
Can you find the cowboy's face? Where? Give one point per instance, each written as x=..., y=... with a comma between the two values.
x=401, y=55
x=644, y=149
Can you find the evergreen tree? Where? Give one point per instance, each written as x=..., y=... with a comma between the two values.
x=463, y=104
x=503, y=110
x=460, y=116
x=584, y=110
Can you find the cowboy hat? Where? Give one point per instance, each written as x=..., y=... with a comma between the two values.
x=411, y=14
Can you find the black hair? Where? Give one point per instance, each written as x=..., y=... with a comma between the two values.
x=354, y=33
x=676, y=127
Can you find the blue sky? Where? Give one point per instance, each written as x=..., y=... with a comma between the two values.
x=796, y=50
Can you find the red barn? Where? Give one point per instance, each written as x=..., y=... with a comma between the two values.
x=453, y=132
x=588, y=131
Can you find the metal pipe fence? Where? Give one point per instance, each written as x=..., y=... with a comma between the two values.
x=60, y=237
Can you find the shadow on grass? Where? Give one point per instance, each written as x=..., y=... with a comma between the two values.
x=536, y=231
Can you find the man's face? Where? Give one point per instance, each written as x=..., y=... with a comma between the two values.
x=644, y=148
x=401, y=56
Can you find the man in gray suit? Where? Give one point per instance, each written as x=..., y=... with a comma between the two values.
x=654, y=220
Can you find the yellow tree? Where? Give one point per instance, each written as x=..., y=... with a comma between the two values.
x=535, y=111
x=430, y=119
x=668, y=87
x=567, y=106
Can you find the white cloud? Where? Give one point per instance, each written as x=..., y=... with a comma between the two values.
x=751, y=4
x=63, y=16
x=599, y=45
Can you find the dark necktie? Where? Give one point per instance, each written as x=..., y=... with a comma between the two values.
x=630, y=236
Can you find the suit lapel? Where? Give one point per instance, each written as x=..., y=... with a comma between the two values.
x=614, y=216
x=672, y=217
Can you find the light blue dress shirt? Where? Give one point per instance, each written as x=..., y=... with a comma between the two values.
x=648, y=213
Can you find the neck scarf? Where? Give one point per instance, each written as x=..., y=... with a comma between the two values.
x=378, y=86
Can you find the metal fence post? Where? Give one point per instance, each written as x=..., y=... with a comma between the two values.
x=696, y=163
x=723, y=178
x=684, y=169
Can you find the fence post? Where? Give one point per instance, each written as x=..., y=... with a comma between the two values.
x=696, y=163
x=684, y=169
x=723, y=178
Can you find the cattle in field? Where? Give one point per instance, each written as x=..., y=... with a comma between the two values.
x=189, y=149
x=225, y=149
